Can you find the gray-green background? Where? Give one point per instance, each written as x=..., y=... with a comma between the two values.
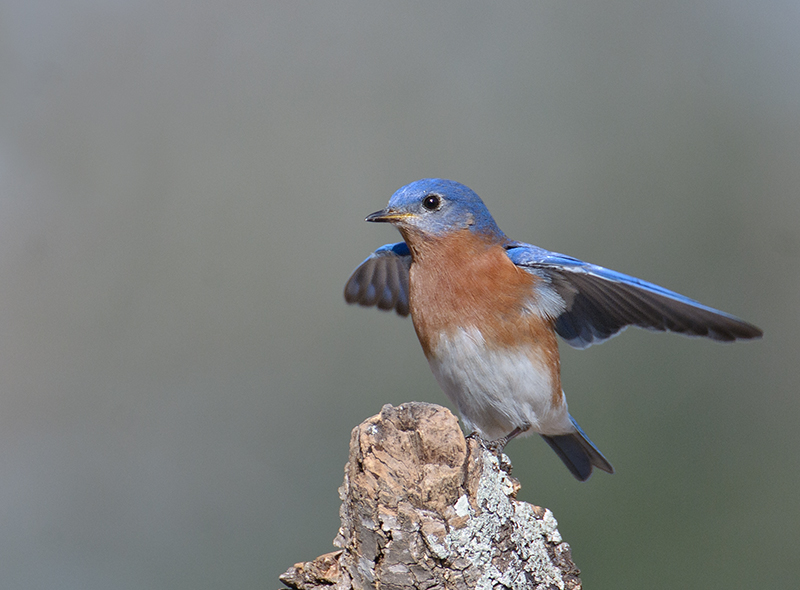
x=182, y=189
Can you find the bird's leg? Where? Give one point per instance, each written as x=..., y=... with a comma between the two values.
x=496, y=446
x=502, y=442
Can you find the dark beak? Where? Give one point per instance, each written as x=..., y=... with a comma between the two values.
x=387, y=216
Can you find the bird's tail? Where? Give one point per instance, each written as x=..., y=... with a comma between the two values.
x=578, y=452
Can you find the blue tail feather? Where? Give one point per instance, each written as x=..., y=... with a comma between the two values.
x=578, y=453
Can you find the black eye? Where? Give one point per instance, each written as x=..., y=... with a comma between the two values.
x=431, y=202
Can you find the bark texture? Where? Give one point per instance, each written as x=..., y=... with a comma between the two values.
x=423, y=507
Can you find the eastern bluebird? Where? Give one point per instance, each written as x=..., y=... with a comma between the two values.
x=487, y=309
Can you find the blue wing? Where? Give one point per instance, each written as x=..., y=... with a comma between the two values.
x=599, y=302
x=382, y=279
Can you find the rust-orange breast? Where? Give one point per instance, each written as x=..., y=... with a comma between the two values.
x=465, y=281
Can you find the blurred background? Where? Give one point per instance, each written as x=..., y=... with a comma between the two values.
x=182, y=194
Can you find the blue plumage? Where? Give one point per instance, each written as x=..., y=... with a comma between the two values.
x=578, y=453
x=489, y=331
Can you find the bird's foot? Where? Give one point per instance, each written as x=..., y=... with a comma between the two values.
x=492, y=446
x=503, y=441
x=495, y=447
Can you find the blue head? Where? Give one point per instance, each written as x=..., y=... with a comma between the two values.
x=434, y=206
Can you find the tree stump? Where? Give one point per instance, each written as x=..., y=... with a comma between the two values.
x=423, y=507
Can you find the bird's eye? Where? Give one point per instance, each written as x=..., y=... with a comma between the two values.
x=431, y=202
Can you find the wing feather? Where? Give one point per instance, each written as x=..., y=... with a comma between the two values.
x=382, y=279
x=600, y=303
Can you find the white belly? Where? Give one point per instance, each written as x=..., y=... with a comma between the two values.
x=497, y=390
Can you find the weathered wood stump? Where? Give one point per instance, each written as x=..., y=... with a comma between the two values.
x=423, y=507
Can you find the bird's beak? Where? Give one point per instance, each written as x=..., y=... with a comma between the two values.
x=387, y=216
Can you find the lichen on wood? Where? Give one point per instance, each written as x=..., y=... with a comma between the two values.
x=423, y=507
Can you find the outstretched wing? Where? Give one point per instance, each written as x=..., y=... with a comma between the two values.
x=599, y=302
x=382, y=279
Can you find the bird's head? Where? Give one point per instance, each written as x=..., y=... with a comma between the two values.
x=435, y=207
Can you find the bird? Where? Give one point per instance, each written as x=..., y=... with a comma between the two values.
x=487, y=311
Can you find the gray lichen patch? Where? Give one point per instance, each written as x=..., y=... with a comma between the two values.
x=504, y=540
